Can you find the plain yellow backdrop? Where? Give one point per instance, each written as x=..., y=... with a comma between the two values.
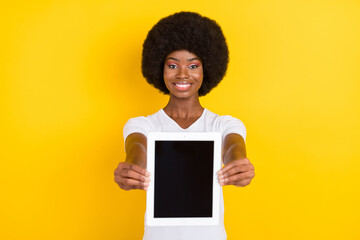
x=70, y=79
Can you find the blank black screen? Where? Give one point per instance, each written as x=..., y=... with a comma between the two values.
x=183, y=178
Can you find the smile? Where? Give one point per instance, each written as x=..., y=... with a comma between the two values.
x=183, y=85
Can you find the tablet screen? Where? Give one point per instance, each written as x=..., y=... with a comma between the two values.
x=183, y=179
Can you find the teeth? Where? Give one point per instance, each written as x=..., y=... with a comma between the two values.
x=182, y=84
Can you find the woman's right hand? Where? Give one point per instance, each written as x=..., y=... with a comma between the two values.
x=130, y=176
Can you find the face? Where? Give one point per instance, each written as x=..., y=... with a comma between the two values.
x=183, y=74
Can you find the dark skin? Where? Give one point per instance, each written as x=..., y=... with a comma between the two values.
x=183, y=76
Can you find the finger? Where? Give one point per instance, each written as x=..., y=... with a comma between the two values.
x=235, y=170
x=232, y=180
x=242, y=183
x=127, y=188
x=130, y=182
x=138, y=187
x=133, y=175
x=232, y=164
x=135, y=168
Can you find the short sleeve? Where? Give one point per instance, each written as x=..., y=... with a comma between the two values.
x=136, y=125
x=232, y=125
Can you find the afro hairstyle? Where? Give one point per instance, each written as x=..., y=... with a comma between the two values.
x=185, y=31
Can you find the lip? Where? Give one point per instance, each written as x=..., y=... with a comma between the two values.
x=182, y=86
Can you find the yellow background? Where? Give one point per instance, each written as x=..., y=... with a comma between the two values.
x=70, y=79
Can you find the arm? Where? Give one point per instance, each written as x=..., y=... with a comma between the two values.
x=132, y=173
x=135, y=148
x=238, y=170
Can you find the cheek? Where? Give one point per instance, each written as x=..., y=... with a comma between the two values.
x=200, y=72
x=166, y=77
x=166, y=74
x=198, y=76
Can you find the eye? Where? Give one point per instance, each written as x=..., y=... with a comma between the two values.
x=193, y=66
x=172, y=66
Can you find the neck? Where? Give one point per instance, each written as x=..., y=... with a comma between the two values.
x=183, y=107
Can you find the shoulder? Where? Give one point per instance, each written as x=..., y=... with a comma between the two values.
x=136, y=121
x=222, y=119
x=226, y=124
x=141, y=124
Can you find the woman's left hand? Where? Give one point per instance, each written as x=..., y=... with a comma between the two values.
x=239, y=173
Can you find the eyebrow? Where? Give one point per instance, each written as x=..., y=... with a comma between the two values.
x=178, y=60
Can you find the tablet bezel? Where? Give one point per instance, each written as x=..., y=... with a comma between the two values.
x=185, y=136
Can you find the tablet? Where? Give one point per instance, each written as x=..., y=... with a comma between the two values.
x=184, y=188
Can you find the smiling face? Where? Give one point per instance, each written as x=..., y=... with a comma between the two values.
x=183, y=74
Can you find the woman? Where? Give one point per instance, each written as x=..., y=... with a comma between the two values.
x=185, y=56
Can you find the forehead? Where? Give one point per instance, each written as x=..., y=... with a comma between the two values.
x=182, y=55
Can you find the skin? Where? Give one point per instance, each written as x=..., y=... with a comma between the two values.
x=184, y=108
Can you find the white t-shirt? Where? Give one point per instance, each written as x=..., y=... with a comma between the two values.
x=208, y=122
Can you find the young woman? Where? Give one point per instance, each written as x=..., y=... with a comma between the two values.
x=185, y=55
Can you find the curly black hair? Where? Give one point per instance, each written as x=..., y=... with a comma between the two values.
x=185, y=31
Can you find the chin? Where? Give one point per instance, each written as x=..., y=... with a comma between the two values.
x=184, y=95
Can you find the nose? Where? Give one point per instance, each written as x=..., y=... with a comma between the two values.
x=182, y=73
